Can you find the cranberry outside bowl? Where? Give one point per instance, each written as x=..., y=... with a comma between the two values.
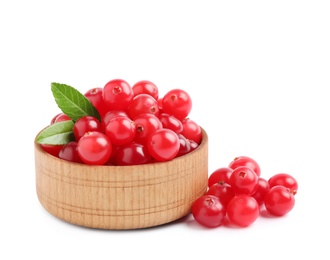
x=121, y=197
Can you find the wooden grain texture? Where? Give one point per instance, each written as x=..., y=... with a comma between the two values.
x=121, y=197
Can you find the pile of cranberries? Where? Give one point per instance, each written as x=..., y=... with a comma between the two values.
x=239, y=193
x=137, y=126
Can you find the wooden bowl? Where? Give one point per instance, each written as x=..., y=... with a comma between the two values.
x=121, y=197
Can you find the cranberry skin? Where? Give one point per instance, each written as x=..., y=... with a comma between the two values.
x=145, y=87
x=120, y=130
x=279, y=201
x=171, y=122
x=59, y=118
x=52, y=149
x=94, y=148
x=143, y=104
x=160, y=105
x=243, y=210
x=178, y=103
x=86, y=124
x=262, y=189
x=245, y=161
x=163, y=144
x=146, y=125
x=117, y=94
x=95, y=96
x=132, y=154
x=208, y=211
x=193, y=145
x=244, y=180
x=220, y=175
x=285, y=180
x=191, y=130
x=112, y=159
x=69, y=152
x=223, y=191
x=185, y=146
x=111, y=114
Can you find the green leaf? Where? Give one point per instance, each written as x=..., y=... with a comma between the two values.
x=73, y=103
x=57, y=133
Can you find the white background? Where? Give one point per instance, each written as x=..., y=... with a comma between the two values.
x=258, y=74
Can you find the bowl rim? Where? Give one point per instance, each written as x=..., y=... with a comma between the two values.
x=203, y=142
